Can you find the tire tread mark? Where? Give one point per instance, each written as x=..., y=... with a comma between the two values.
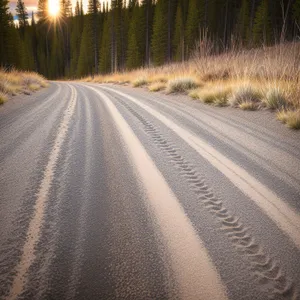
x=265, y=270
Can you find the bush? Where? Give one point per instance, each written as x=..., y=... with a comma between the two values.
x=290, y=117
x=141, y=81
x=181, y=85
x=217, y=96
x=156, y=87
x=248, y=106
x=275, y=98
x=33, y=87
x=14, y=82
x=3, y=98
x=245, y=93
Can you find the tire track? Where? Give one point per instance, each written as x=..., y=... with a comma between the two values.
x=267, y=272
x=194, y=272
x=30, y=111
x=34, y=229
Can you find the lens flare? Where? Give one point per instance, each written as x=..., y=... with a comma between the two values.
x=53, y=7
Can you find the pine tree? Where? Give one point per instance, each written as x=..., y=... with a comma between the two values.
x=4, y=31
x=193, y=23
x=42, y=10
x=77, y=9
x=296, y=17
x=160, y=33
x=86, y=58
x=178, y=40
x=105, y=59
x=262, y=28
x=76, y=32
x=93, y=6
x=22, y=15
x=34, y=42
x=242, y=26
x=134, y=56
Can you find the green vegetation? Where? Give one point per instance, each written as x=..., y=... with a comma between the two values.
x=220, y=52
x=133, y=34
x=181, y=85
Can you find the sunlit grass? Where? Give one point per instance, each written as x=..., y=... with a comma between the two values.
x=290, y=118
x=266, y=77
x=14, y=82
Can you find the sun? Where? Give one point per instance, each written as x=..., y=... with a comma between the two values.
x=53, y=7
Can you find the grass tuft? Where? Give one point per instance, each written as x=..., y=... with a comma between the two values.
x=14, y=82
x=289, y=117
x=248, y=105
x=244, y=93
x=3, y=98
x=194, y=94
x=181, y=85
x=275, y=98
x=212, y=95
x=33, y=87
x=157, y=86
x=141, y=81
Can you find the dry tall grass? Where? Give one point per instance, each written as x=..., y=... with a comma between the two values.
x=271, y=74
x=14, y=82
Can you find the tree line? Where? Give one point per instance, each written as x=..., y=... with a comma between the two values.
x=130, y=34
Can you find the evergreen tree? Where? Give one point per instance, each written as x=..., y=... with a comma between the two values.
x=42, y=10
x=242, y=26
x=134, y=56
x=77, y=9
x=178, y=40
x=105, y=59
x=262, y=27
x=93, y=6
x=86, y=58
x=22, y=15
x=296, y=17
x=4, y=31
x=193, y=24
x=76, y=33
x=160, y=33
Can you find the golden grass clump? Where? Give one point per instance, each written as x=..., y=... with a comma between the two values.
x=212, y=95
x=275, y=98
x=14, y=82
x=248, y=105
x=3, y=98
x=245, y=93
x=243, y=78
x=182, y=85
x=156, y=86
x=33, y=87
x=139, y=82
x=289, y=117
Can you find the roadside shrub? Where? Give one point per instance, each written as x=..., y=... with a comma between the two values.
x=194, y=94
x=141, y=81
x=7, y=88
x=157, y=86
x=33, y=87
x=248, y=106
x=181, y=85
x=290, y=117
x=245, y=93
x=3, y=98
x=217, y=96
x=275, y=98
x=14, y=82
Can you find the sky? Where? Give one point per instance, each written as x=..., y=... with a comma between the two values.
x=31, y=5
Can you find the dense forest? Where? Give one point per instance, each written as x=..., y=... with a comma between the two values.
x=131, y=34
